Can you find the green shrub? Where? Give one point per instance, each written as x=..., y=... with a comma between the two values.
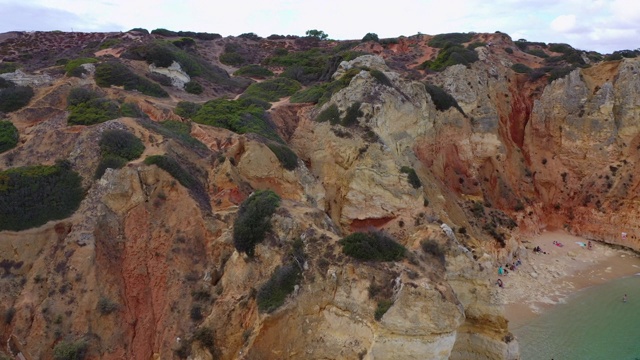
x=121, y=143
x=450, y=55
x=9, y=314
x=15, y=98
x=441, y=99
x=93, y=111
x=178, y=131
x=6, y=83
x=109, y=43
x=187, y=109
x=250, y=36
x=232, y=59
x=196, y=313
x=352, y=115
x=318, y=34
x=442, y=40
x=538, y=53
x=508, y=50
x=75, y=63
x=184, y=43
x=8, y=67
x=174, y=169
x=521, y=68
x=309, y=95
x=191, y=34
x=9, y=136
x=381, y=77
x=371, y=37
x=476, y=44
x=114, y=73
x=272, y=90
x=205, y=336
x=412, y=177
x=248, y=101
x=109, y=162
x=287, y=157
x=254, y=71
x=131, y=110
x=80, y=95
x=303, y=66
x=193, y=87
x=331, y=114
x=373, y=246
x=559, y=72
x=254, y=220
x=70, y=350
x=236, y=116
x=106, y=306
x=432, y=247
x=30, y=196
x=273, y=293
x=383, y=307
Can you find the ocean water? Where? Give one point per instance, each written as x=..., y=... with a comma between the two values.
x=592, y=324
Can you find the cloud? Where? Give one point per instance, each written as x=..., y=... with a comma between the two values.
x=564, y=23
x=20, y=17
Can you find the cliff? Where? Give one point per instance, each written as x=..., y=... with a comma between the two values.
x=455, y=165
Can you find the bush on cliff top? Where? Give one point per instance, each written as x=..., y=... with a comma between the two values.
x=9, y=136
x=30, y=196
x=115, y=73
x=273, y=293
x=15, y=98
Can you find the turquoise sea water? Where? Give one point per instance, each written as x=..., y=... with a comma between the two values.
x=593, y=324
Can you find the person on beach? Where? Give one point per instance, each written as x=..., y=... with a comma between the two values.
x=589, y=246
x=500, y=283
x=624, y=298
x=500, y=271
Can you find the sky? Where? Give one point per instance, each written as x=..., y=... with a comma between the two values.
x=600, y=25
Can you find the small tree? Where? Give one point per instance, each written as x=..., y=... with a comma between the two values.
x=318, y=34
x=254, y=220
x=371, y=37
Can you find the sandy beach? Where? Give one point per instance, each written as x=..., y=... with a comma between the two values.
x=544, y=280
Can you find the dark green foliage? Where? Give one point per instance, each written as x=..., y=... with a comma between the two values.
x=162, y=79
x=383, y=307
x=140, y=30
x=115, y=73
x=178, y=131
x=389, y=41
x=309, y=95
x=187, y=109
x=9, y=314
x=232, y=58
x=413, y=178
x=441, y=99
x=70, y=350
x=9, y=136
x=236, y=116
x=538, y=52
x=8, y=67
x=15, y=98
x=559, y=72
x=106, y=306
x=254, y=71
x=6, y=83
x=248, y=101
x=521, y=68
x=371, y=37
x=616, y=55
x=331, y=114
x=131, y=110
x=254, y=220
x=352, y=115
x=80, y=95
x=109, y=43
x=318, y=34
x=30, y=196
x=171, y=166
x=196, y=313
x=450, y=55
x=184, y=43
x=373, y=246
x=304, y=66
x=109, y=162
x=93, y=111
x=442, y=40
x=561, y=48
x=75, y=63
x=190, y=34
x=250, y=36
x=272, y=294
x=193, y=87
x=287, y=157
x=381, y=77
x=272, y=90
x=508, y=50
x=205, y=336
x=122, y=144
x=432, y=247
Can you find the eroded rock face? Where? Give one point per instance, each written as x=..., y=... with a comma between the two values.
x=174, y=72
x=21, y=78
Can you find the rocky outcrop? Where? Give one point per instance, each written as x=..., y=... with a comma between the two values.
x=21, y=78
x=174, y=72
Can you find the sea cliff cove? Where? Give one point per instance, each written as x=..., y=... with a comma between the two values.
x=174, y=194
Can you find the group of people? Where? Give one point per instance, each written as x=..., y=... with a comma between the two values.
x=504, y=270
x=538, y=250
x=557, y=243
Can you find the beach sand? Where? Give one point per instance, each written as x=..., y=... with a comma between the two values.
x=544, y=280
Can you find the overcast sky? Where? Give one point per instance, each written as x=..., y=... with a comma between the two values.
x=601, y=25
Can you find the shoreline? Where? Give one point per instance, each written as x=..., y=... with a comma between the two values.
x=544, y=280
